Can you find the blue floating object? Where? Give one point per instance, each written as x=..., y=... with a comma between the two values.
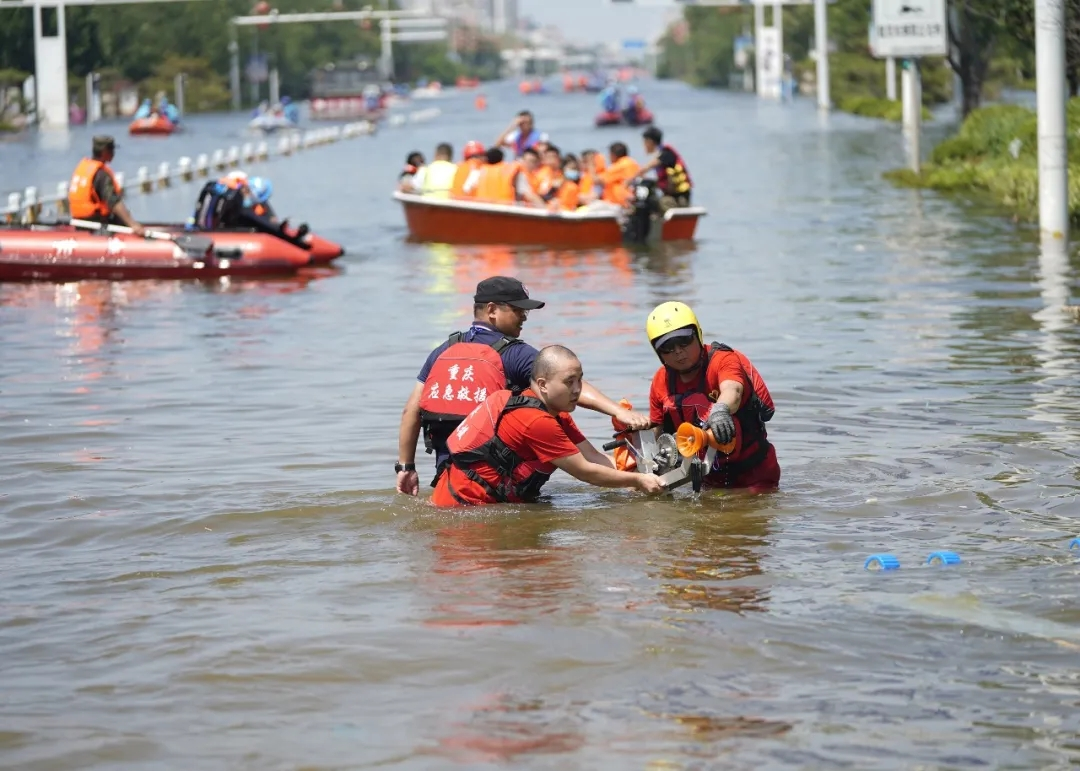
x=881, y=562
x=943, y=558
x=1074, y=544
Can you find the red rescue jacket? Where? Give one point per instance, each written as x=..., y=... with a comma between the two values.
x=693, y=406
x=477, y=442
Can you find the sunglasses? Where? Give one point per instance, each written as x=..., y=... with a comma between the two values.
x=677, y=344
x=515, y=310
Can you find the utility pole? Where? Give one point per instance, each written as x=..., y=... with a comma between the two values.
x=1050, y=95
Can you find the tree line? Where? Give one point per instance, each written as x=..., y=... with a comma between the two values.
x=993, y=45
x=146, y=44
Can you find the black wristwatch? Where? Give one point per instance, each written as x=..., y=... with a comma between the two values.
x=407, y=467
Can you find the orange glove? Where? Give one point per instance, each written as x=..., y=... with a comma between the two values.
x=624, y=459
x=618, y=425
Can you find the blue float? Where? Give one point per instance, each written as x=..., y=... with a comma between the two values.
x=943, y=558
x=1074, y=544
x=881, y=562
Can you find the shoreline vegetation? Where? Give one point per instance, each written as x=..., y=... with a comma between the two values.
x=128, y=47
x=995, y=153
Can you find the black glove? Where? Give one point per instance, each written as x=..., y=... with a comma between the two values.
x=721, y=423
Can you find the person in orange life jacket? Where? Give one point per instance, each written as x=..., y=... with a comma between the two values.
x=511, y=179
x=414, y=161
x=520, y=135
x=529, y=179
x=94, y=194
x=550, y=168
x=470, y=366
x=563, y=193
x=714, y=387
x=508, y=446
x=474, y=159
x=672, y=177
x=613, y=179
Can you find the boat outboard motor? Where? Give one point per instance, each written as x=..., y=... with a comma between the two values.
x=644, y=205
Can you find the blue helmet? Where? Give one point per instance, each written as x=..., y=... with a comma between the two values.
x=285, y=100
x=261, y=189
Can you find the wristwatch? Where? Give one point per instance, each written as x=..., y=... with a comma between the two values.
x=398, y=467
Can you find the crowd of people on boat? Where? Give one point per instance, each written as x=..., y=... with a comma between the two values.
x=496, y=412
x=523, y=167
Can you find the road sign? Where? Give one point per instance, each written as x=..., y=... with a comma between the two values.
x=903, y=28
x=634, y=45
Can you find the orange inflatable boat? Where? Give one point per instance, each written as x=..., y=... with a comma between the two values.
x=64, y=253
x=154, y=125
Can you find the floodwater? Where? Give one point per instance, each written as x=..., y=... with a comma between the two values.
x=205, y=565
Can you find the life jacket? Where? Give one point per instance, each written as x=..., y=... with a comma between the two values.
x=83, y=200
x=463, y=375
x=693, y=406
x=439, y=179
x=477, y=441
x=673, y=180
x=461, y=175
x=615, y=177
x=496, y=183
x=563, y=190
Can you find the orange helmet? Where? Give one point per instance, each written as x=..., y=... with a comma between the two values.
x=472, y=149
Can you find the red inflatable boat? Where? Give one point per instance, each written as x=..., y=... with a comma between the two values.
x=643, y=118
x=321, y=251
x=155, y=125
x=64, y=253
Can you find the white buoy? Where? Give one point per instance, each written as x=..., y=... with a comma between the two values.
x=219, y=160
x=142, y=179
x=262, y=152
x=202, y=165
x=163, y=175
x=247, y=152
x=184, y=169
x=232, y=158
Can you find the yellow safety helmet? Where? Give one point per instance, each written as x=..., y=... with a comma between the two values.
x=667, y=318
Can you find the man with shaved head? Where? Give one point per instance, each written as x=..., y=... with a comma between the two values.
x=509, y=446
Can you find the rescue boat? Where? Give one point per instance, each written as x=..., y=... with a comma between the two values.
x=320, y=251
x=154, y=125
x=643, y=118
x=65, y=253
x=472, y=222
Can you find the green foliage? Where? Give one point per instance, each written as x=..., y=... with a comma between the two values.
x=979, y=159
x=12, y=77
x=136, y=43
x=873, y=107
x=203, y=89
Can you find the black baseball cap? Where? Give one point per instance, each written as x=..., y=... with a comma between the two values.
x=103, y=142
x=503, y=289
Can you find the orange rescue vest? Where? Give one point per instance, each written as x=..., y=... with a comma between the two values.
x=83, y=200
x=496, y=183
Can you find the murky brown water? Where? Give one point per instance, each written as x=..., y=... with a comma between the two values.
x=205, y=565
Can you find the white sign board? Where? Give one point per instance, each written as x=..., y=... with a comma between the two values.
x=770, y=62
x=905, y=28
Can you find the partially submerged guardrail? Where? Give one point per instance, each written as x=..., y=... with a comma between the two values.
x=31, y=204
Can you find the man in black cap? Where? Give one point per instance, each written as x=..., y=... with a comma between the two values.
x=95, y=194
x=460, y=373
